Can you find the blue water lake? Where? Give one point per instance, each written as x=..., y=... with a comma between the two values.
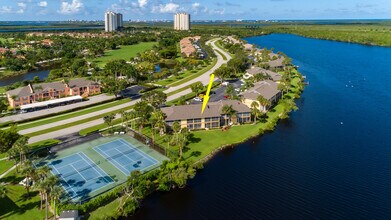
x=330, y=160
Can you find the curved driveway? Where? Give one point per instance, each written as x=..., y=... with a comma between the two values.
x=204, y=78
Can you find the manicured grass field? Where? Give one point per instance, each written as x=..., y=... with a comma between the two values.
x=60, y=127
x=45, y=143
x=16, y=205
x=125, y=52
x=186, y=76
x=5, y=165
x=222, y=55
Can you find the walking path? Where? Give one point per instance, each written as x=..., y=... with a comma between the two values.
x=8, y=171
x=204, y=78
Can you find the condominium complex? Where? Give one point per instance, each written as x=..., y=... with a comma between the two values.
x=113, y=21
x=182, y=21
x=42, y=92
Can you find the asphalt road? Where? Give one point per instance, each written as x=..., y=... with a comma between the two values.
x=40, y=113
x=67, y=131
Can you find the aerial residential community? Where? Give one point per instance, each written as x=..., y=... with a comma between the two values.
x=122, y=117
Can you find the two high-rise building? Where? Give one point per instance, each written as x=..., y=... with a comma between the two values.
x=113, y=21
x=182, y=21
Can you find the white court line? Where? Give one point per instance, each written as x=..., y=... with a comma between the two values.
x=69, y=187
x=132, y=161
x=141, y=153
x=110, y=160
x=153, y=160
x=79, y=173
x=106, y=143
x=94, y=167
x=69, y=164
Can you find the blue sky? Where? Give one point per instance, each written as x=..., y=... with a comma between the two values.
x=18, y=10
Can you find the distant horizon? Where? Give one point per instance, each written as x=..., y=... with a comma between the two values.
x=196, y=20
x=64, y=10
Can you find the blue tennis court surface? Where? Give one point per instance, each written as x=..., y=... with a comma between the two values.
x=79, y=175
x=125, y=156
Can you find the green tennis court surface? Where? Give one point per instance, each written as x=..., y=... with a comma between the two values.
x=89, y=169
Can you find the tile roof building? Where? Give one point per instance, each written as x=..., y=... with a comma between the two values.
x=187, y=46
x=53, y=90
x=257, y=70
x=267, y=89
x=190, y=116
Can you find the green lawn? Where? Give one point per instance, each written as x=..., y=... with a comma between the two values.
x=222, y=55
x=125, y=52
x=16, y=205
x=45, y=143
x=186, y=76
x=105, y=212
x=71, y=115
x=60, y=127
x=5, y=165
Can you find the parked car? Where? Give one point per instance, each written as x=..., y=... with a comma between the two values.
x=198, y=99
x=225, y=83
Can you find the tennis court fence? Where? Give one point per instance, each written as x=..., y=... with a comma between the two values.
x=148, y=141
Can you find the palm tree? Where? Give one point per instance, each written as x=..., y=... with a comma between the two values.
x=184, y=134
x=197, y=88
x=230, y=91
x=160, y=123
x=255, y=111
x=48, y=185
x=43, y=172
x=13, y=153
x=40, y=187
x=29, y=172
x=263, y=102
x=176, y=127
x=167, y=138
x=109, y=120
x=228, y=111
x=122, y=113
x=3, y=190
x=21, y=146
x=55, y=194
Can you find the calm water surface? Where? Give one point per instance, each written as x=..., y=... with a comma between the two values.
x=330, y=160
x=43, y=74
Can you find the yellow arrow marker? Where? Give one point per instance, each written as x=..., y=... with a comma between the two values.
x=206, y=97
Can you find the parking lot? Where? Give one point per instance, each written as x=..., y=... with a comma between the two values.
x=219, y=93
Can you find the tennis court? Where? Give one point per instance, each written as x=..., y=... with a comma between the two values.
x=79, y=175
x=125, y=156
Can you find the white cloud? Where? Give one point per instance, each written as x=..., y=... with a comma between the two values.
x=142, y=3
x=22, y=6
x=71, y=7
x=43, y=4
x=167, y=8
x=5, y=9
x=195, y=5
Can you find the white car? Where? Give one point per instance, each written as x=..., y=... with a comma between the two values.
x=237, y=89
x=225, y=83
x=198, y=99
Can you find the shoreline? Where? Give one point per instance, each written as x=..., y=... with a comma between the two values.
x=326, y=39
